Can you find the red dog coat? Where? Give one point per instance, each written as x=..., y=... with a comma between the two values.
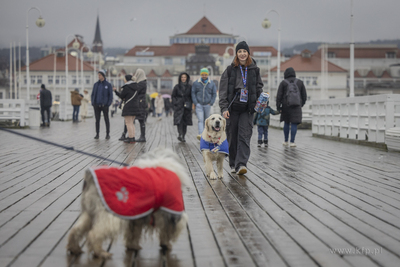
x=132, y=193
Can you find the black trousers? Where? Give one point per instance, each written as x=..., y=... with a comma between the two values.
x=97, y=114
x=182, y=128
x=239, y=129
x=47, y=110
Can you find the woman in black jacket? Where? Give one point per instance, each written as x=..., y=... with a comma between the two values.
x=131, y=108
x=182, y=105
x=240, y=87
x=141, y=81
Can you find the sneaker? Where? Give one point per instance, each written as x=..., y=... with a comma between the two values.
x=199, y=137
x=233, y=170
x=129, y=140
x=180, y=138
x=292, y=144
x=285, y=143
x=265, y=143
x=107, y=136
x=258, y=145
x=242, y=170
x=96, y=137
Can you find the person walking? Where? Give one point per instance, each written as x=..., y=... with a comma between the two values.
x=204, y=93
x=46, y=101
x=101, y=100
x=167, y=106
x=159, y=105
x=182, y=105
x=141, y=80
x=76, y=100
x=84, y=104
x=240, y=87
x=290, y=98
x=131, y=107
x=262, y=122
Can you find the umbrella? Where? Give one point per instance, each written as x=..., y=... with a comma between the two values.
x=166, y=96
x=154, y=95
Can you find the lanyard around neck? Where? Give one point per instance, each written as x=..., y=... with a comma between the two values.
x=244, y=77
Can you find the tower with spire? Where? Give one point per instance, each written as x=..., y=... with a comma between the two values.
x=97, y=45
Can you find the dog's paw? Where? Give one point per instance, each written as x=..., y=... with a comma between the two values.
x=220, y=175
x=213, y=176
x=103, y=254
x=133, y=247
x=74, y=250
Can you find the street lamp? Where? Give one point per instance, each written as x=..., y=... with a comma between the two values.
x=267, y=24
x=89, y=55
x=40, y=23
x=351, y=53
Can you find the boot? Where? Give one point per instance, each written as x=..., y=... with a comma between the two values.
x=129, y=140
x=183, y=138
x=259, y=143
x=97, y=136
x=265, y=143
x=107, y=137
x=141, y=139
x=122, y=138
x=180, y=138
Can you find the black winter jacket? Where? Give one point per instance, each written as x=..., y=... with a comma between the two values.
x=141, y=94
x=290, y=114
x=131, y=108
x=182, y=93
x=46, y=99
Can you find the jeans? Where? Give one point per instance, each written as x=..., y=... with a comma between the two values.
x=75, y=113
x=293, y=131
x=97, y=114
x=47, y=110
x=202, y=112
x=262, y=130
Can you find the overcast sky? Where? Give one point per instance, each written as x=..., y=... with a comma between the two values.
x=156, y=20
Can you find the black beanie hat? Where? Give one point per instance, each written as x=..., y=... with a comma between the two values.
x=42, y=86
x=128, y=77
x=242, y=45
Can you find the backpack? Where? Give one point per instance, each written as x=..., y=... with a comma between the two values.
x=293, y=98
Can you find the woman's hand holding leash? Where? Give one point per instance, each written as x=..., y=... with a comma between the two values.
x=226, y=114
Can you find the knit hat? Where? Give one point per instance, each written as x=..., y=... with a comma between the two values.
x=242, y=45
x=42, y=86
x=204, y=70
x=102, y=72
x=128, y=77
x=76, y=90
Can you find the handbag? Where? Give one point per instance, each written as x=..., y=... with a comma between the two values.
x=188, y=105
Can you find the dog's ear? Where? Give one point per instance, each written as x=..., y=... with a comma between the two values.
x=206, y=123
x=223, y=124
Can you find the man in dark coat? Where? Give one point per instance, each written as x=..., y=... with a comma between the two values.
x=291, y=115
x=182, y=105
x=102, y=98
x=46, y=101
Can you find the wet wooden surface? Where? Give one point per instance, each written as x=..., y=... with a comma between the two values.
x=294, y=207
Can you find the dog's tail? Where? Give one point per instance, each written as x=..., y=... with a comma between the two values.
x=165, y=158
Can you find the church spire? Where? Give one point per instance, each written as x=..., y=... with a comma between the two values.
x=97, y=42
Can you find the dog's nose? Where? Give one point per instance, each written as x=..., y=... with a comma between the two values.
x=217, y=123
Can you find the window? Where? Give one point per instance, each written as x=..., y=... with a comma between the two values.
x=58, y=79
x=33, y=79
x=63, y=80
x=152, y=83
x=332, y=97
x=50, y=79
x=39, y=79
x=308, y=97
x=308, y=80
x=74, y=81
x=390, y=54
x=32, y=97
x=166, y=84
x=183, y=61
x=168, y=61
x=57, y=98
x=87, y=79
x=331, y=54
x=1, y=95
x=25, y=79
x=315, y=81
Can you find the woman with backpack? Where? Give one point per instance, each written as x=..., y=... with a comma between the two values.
x=290, y=98
x=240, y=87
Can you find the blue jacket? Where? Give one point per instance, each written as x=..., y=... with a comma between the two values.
x=204, y=94
x=102, y=94
x=223, y=148
x=262, y=119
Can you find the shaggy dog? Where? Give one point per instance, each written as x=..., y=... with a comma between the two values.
x=213, y=145
x=154, y=203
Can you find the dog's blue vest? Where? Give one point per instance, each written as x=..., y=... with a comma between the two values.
x=223, y=148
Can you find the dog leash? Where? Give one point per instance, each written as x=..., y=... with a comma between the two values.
x=62, y=146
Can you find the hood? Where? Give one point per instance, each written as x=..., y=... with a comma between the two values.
x=74, y=93
x=188, y=77
x=140, y=75
x=289, y=72
x=253, y=64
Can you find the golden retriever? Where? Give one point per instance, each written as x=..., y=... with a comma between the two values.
x=214, y=145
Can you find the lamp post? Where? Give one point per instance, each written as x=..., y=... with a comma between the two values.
x=40, y=23
x=89, y=55
x=267, y=24
x=75, y=45
x=351, y=53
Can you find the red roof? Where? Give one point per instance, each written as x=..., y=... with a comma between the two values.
x=307, y=64
x=47, y=64
x=166, y=74
x=185, y=49
x=361, y=52
x=385, y=74
x=357, y=74
x=371, y=74
x=204, y=26
x=152, y=74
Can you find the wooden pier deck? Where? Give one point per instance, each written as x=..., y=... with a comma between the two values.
x=323, y=203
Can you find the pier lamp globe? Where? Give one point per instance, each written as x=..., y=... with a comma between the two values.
x=217, y=63
x=226, y=55
x=101, y=62
x=40, y=22
x=76, y=44
x=266, y=23
x=114, y=72
x=89, y=54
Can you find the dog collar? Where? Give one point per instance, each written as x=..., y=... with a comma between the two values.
x=212, y=139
